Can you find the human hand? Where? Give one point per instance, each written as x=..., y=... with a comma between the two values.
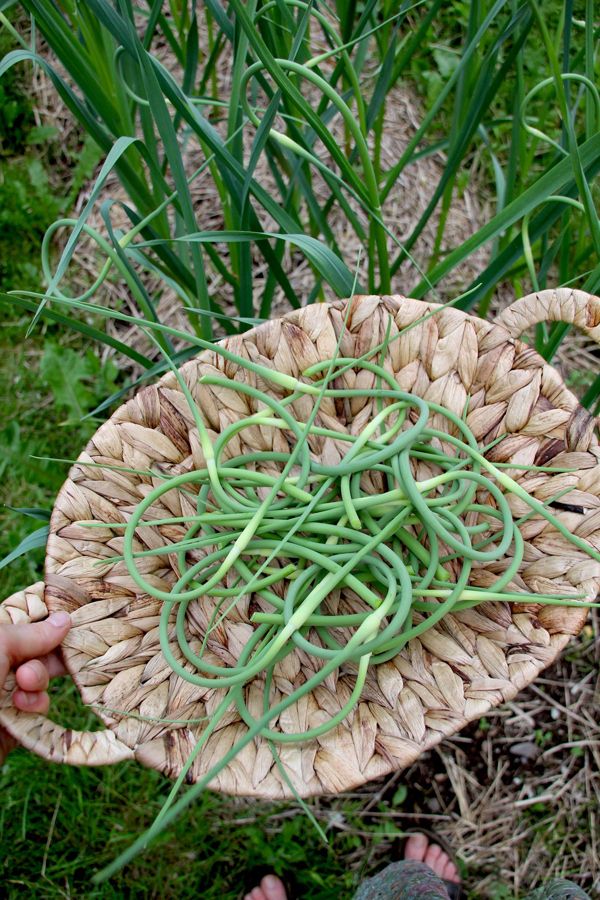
x=31, y=650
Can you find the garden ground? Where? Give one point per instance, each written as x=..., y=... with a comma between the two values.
x=516, y=793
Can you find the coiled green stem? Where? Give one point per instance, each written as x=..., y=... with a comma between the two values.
x=280, y=535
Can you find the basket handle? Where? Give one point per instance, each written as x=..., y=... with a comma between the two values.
x=559, y=305
x=36, y=732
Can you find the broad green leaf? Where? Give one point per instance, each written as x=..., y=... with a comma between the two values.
x=77, y=381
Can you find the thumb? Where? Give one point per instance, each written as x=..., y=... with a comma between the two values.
x=19, y=643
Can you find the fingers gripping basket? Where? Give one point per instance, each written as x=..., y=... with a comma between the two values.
x=455, y=672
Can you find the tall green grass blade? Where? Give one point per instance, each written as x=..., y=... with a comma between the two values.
x=574, y=154
x=558, y=180
x=220, y=16
x=15, y=302
x=33, y=541
x=154, y=16
x=464, y=130
x=241, y=256
x=289, y=89
x=328, y=264
x=173, y=155
x=33, y=512
x=428, y=119
x=591, y=113
x=592, y=394
x=145, y=302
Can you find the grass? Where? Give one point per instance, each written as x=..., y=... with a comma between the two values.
x=40, y=175
x=27, y=204
x=61, y=824
x=57, y=824
x=65, y=384
x=79, y=819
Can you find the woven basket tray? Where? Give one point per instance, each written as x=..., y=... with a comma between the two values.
x=453, y=673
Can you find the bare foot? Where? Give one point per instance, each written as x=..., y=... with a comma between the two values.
x=270, y=888
x=418, y=847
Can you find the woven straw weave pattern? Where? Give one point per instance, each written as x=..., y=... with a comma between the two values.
x=452, y=674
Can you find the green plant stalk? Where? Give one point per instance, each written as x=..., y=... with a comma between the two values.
x=395, y=171
x=364, y=154
x=555, y=181
x=459, y=144
x=591, y=113
x=574, y=154
x=241, y=259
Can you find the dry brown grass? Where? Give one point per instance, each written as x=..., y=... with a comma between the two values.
x=521, y=798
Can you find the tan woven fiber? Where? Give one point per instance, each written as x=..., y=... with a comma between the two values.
x=453, y=673
x=38, y=733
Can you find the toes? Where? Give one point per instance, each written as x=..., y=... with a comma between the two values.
x=440, y=864
x=31, y=701
x=273, y=888
x=416, y=847
x=32, y=676
x=451, y=872
x=432, y=858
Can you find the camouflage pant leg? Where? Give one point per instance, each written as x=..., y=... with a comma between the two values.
x=558, y=889
x=411, y=880
x=405, y=880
